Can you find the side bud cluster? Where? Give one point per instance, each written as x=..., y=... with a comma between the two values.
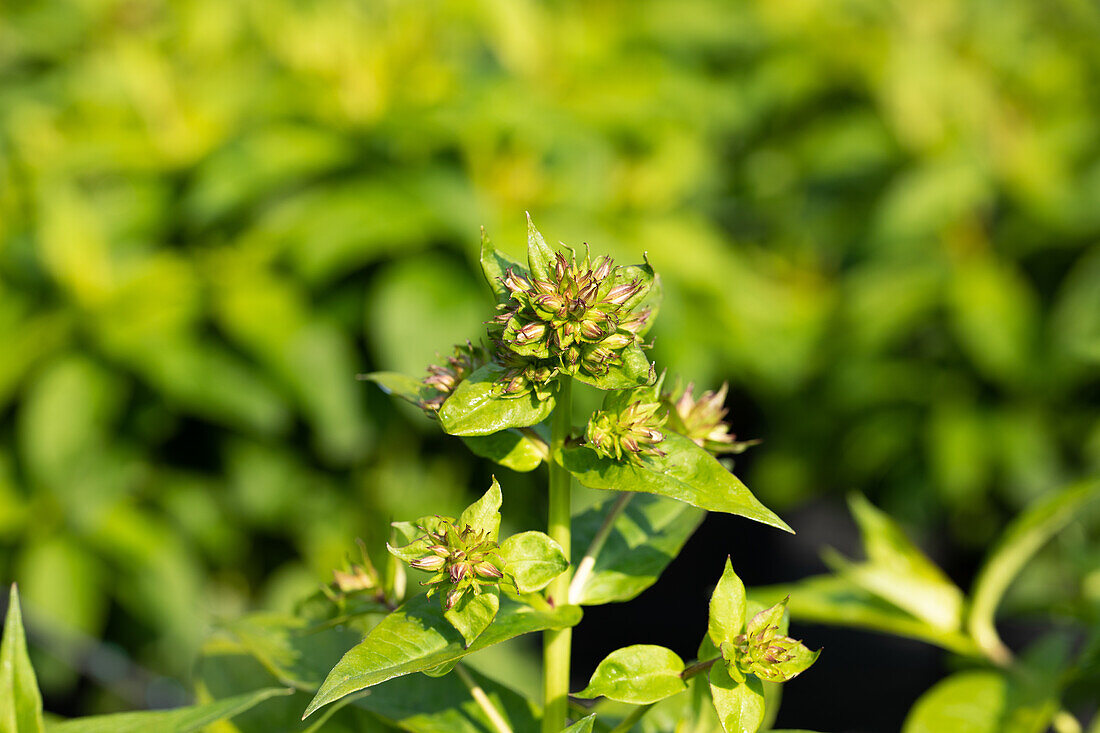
x=703, y=420
x=628, y=427
x=462, y=560
x=576, y=321
x=763, y=651
x=443, y=378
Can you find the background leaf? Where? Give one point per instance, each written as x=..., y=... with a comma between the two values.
x=1020, y=541
x=180, y=720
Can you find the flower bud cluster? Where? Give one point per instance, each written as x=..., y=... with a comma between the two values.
x=576, y=321
x=703, y=420
x=763, y=656
x=627, y=427
x=763, y=651
x=462, y=560
x=443, y=379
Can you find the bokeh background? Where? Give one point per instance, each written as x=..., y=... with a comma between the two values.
x=878, y=221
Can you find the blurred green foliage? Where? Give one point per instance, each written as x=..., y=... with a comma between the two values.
x=879, y=221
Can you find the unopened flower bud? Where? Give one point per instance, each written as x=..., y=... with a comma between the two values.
x=430, y=563
x=488, y=570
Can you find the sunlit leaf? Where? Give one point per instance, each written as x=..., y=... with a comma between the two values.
x=686, y=472
x=475, y=408
x=532, y=559
x=740, y=705
x=727, y=607
x=639, y=674
x=416, y=637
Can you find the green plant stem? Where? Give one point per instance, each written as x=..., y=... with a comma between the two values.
x=483, y=701
x=556, y=643
x=629, y=721
x=584, y=567
x=697, y=668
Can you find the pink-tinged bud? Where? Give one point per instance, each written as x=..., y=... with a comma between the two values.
x=636, y=322
x=561, y=266
x=530, y=333
x=430, y=563
x=459, y=571
x=515, y=283
x=440, y=550
x=617, y=341
x=549, y=302
x=623, y=292
x=603, y=267
x=486, y=569
x=453, y=597
x=543, y=287
x=591, y=330
x=587, y=292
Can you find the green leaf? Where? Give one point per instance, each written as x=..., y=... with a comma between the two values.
x=898, y=571
x=473, y=613
x=494, y=264
x=966, y=702
x=476, y=409
x=509, y=448
x=540, y=257
x=1023, y=538
x=740, y=705
x=20, y=700
x=644, y=538
x=533, y=559
x=639, y=674
x=413, y=533
x=180, y=720
x=484, y=514
x=634, y=371
x=831, y=599
x=416, y=637
x=686, y=473
x=413, y=703
x=584, y=725
x=727, y=607
x=400, y=385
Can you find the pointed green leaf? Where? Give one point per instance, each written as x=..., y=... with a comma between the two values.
x=639, y=674
x=494, y=264
x=180, y=720
x=686, y=473
x=20, y=700
x=476, y=409
x=484, y=514
x=473, y=613
x=532, y=559
x=898, y=571
x=772, y=616
x=417, y=542
x=397, y=384
x=416, y=637
x=1017, y=545
x=584, y=725
x=727, y=607
x=634, y=371
x=540, y=257
x=966, y=702
x=740, y=705
x=644, y=538
x=509, y=448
